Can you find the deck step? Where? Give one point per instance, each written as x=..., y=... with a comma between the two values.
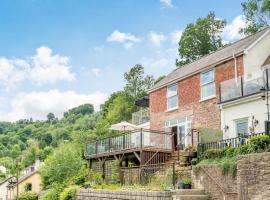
x=190, y=194
x=190, y=197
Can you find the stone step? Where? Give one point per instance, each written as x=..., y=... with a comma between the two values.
x=189, y=192
x=190, y=197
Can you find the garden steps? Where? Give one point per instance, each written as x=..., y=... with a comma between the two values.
x=190, y=194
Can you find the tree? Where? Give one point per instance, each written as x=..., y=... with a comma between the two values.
x=257, y=15
x=200, y=38
x=65, y=162
x=50, y=117
x=136, y=84
x=121, y=109
x=82, y=109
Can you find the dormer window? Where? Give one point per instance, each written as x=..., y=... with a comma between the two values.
x=208, y=86
x=172, y=97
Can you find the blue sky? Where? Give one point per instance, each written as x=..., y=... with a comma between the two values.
x=58, y=54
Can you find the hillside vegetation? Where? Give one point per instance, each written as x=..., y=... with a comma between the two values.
x=60, y=142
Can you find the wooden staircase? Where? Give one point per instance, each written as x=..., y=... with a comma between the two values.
x=190, y=194
x=180, y=159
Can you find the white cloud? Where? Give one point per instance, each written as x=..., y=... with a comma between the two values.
x=156, y=38
x=166, y=3
x=43, y=67
x=175, y=36
x=96, y=72
x=48, y=68
x=38, y=104
x=231, y=30
x=127, y=39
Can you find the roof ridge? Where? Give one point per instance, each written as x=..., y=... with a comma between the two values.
x=238, y=47
x=225, y=46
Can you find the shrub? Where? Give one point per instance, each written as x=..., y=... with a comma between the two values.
x=69, y=193
x=246, y=149
x=212, y=154
x=53, y=194
x=231, y=152
x=28, y=196
x=80, y=178
x=186, y=180
x=259, y=143
x=96, y=177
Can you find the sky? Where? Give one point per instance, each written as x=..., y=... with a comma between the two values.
x=55, y=55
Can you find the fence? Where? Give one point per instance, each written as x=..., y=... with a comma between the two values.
x=232, y=142
x=143, y=175
x=141, y=138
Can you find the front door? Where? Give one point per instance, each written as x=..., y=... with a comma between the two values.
x=174, y=133
x=181, y=135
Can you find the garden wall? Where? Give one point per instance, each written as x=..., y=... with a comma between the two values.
x=252, y=181
x=86, y=194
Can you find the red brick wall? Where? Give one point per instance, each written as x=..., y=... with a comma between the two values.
x=205, y=113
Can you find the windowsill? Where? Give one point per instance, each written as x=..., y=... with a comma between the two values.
x=172, y=109
x=208, y=98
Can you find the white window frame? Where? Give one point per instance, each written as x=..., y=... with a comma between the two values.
x=208, y=83
x=168, y=97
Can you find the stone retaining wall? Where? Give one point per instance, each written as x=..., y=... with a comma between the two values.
x=219, y=185
x=253, y=176
x=252, y=181
x=90, y=194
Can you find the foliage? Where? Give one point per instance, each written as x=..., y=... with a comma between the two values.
x=69, y=193
x=85, y=109
x=53, y=193
x=65, y=162
x=81, y=178
x=161, y=180
x=186, y=180
x=209, y=135
x=136, y=84
x=227, y=157
x=190, y=149
x=200, y=38
x=28, y=196
x=257, y=15
x=50, y=117
x=260, y=142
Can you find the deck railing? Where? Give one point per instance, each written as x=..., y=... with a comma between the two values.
x=140, y=117
x=242, y=86
x=232, y=142
x=132, y=140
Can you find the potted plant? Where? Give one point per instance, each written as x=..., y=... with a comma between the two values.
x=191, y=151
x=185, y=183
x=194, y=161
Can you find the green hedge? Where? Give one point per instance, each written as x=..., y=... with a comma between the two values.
x=28, y=196
x=256, y=144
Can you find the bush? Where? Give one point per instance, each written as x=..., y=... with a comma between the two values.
x=53, y=194
x=186, y=180
x=28, y=196
x=69, y=193
x=212, y=154
x=260, y=143
x=246, y=149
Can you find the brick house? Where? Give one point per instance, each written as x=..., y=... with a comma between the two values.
x=189, y=97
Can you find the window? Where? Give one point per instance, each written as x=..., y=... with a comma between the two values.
x=28, y=187
x=241, y=127
x=172, y=97
x=208, y=86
